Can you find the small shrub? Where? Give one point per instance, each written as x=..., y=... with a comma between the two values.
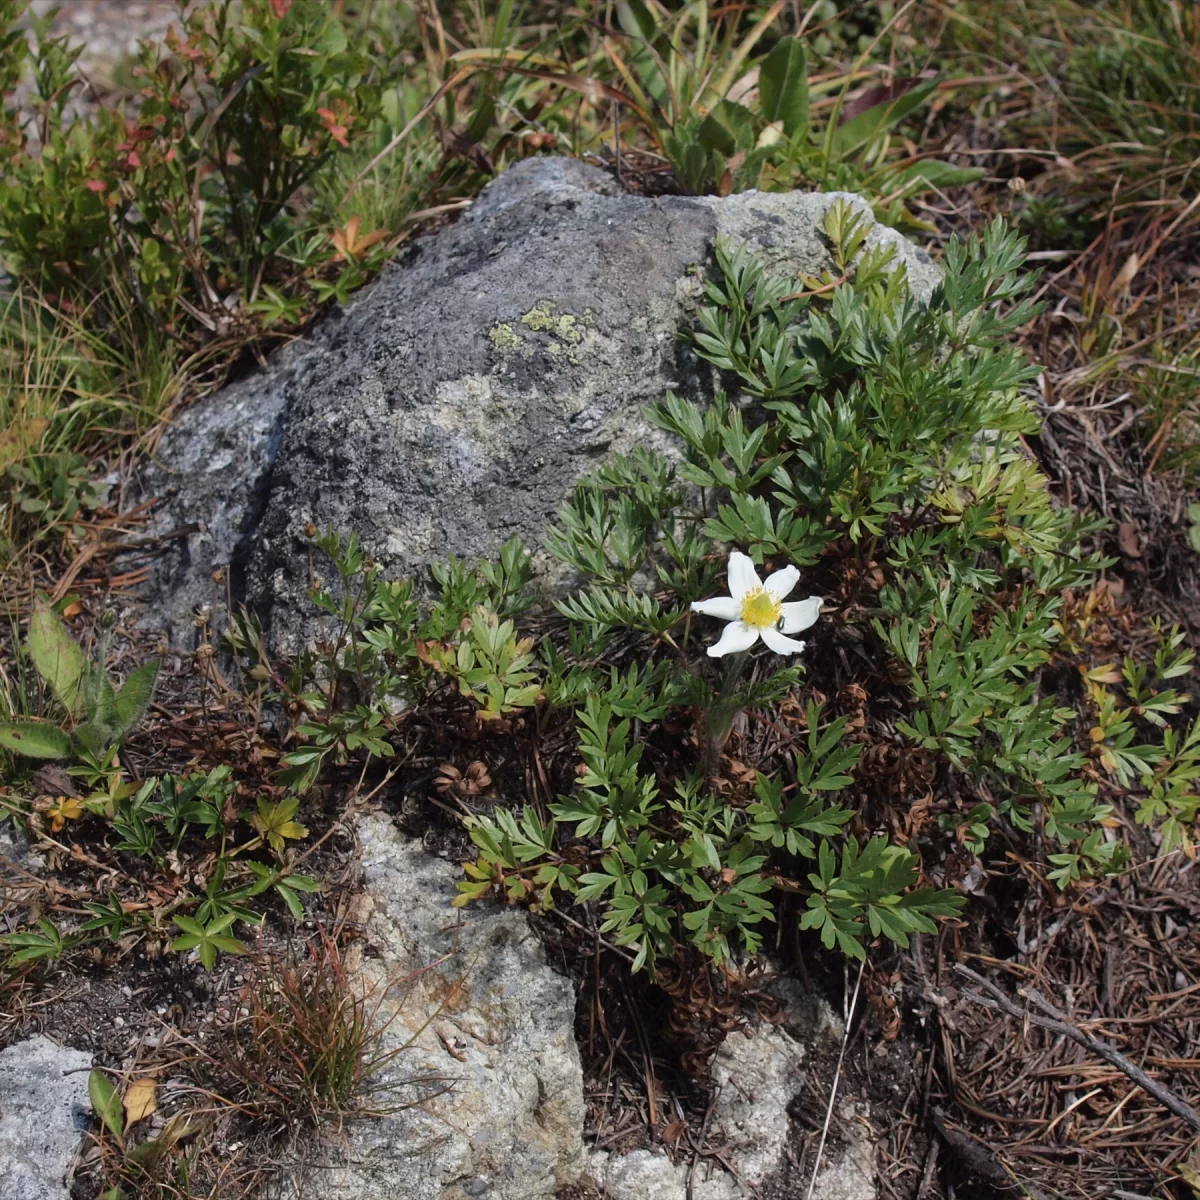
x=875, y=447
x=196, y=197
x=875, y=444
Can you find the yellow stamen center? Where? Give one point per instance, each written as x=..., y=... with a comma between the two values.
x=760, y=610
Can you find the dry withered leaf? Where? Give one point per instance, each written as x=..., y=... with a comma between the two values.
x=53, y=780
x=1128, y=540
x=472, y=782
x=1124, y=277
x=457, y=142
x=673, y=1131
x=141, y=1099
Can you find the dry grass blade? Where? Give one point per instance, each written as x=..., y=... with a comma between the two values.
x=837, y=1075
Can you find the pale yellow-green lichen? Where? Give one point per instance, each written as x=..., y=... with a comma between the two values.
x=563, y=332
x=541, y=318
x=508, y=341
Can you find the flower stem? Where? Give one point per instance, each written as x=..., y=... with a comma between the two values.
x=720, y=717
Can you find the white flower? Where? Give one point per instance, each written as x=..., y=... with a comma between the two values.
x=756, y=609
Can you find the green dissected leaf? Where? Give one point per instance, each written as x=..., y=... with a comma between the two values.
x=35, y=739
x=106, y=1104
x=870, y=432
x=783, y=86
x=57, y=657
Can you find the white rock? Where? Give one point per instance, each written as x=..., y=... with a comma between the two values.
x=755, y=1074
x=508, y=1123
x=43, y=1112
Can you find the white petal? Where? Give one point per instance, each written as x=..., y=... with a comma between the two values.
x=736, y=637
x=743, y=577
x=781, y=583
x=777, y=642
x=725, y=607
x=801, y=614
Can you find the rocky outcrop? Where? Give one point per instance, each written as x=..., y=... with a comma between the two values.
x=483, y=1093
x=451, y=405
x=457, y=401
x=484, y=1096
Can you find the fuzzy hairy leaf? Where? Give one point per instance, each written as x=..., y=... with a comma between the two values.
x=57, y=657
x=34, y=739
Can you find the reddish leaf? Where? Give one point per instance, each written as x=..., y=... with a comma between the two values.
x=881, y=93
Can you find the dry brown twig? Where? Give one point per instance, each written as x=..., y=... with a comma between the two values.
x=1055, y=1021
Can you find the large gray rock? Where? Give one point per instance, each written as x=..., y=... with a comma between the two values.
x=43, y=1113
x=457, y=401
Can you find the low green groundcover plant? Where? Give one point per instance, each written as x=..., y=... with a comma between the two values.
x=874, y=443
x=872, y=447
x=867, y=458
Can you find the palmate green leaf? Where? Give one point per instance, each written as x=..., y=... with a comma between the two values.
x=34, y=739
x=57, y=657
x=110, y=917
x=274, y=821
x=47, y=943
x=106, y=1103
x=783, y=86
x=207, y=940
x=286, y=887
